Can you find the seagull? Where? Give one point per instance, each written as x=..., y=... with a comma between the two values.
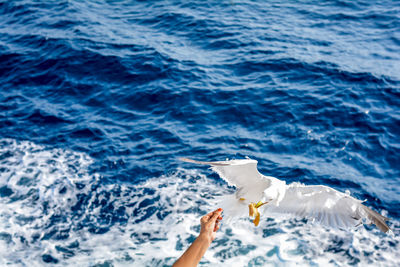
x=319, y=203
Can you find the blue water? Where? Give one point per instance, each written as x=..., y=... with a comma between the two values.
x=98, y=99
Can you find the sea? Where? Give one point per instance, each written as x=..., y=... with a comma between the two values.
x=100, y=98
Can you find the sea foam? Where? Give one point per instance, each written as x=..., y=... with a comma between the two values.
x=54, y=210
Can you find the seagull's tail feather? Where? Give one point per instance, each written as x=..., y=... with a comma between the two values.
x=376, y=218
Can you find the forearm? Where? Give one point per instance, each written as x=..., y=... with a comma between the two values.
x=194, y=253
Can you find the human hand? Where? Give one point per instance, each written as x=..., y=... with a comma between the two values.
x=210, y=224
x=209, y=227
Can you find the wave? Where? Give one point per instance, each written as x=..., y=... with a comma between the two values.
x=110, y=94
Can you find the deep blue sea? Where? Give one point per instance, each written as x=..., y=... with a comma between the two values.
x=98, y=99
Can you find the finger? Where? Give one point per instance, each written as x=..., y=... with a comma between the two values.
x=206, y=217
x=215, y=226
x=216, y=214
x=211, y=213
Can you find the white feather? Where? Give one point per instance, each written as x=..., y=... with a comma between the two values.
x=317, y=202
x=320, y=203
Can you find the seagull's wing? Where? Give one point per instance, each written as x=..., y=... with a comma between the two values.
x=327, y=206
x=241, y=173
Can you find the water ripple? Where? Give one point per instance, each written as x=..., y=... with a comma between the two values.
x=311, y=90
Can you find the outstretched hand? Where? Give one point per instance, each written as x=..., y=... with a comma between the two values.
x=210, y=224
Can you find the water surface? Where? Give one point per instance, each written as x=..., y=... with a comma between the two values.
x=98, y=100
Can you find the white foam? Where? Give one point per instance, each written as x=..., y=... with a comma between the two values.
x=162, y=218
x=40, y=183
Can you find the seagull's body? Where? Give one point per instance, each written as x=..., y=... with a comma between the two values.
x=317, y=202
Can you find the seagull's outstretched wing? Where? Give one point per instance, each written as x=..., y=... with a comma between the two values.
x=327, y=206
x=240, y=173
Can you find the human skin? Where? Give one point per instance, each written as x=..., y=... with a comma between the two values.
x=209, y=226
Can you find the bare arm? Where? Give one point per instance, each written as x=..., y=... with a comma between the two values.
x=209, y=227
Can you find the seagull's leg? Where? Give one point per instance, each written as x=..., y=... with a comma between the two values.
x=253, y=211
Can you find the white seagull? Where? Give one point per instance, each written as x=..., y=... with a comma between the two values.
x=316, y=202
